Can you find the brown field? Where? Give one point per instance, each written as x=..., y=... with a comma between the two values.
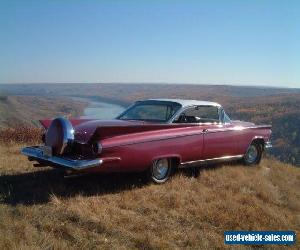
x=41, y=209
x=21, y=134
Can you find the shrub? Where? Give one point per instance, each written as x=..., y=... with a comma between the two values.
x=21, y=134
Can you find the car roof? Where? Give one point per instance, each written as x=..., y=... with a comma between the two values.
x=186, y=103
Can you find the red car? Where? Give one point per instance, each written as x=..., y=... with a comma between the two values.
x=154, y=135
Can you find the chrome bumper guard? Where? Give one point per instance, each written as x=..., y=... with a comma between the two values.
x=36, y=153
x=268, y=145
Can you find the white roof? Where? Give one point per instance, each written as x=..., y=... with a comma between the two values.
x=185, y=102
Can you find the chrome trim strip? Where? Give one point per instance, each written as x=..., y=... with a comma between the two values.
x=235, y=128
x=198, y=162
x=37, y=154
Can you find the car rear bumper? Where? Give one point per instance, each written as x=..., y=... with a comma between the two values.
x=36, y=153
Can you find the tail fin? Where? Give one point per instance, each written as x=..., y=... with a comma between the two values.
x=111, y=131
x=45, y=123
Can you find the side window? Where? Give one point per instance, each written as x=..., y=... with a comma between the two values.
x=199, y=114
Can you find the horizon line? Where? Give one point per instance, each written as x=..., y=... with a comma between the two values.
x=162, y=83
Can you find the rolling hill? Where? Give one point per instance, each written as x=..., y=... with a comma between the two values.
x=27, y=110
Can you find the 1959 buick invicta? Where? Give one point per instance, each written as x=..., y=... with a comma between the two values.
x=154, y=136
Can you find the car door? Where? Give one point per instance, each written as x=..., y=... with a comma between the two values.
x=206, y=117
x=216, y=136
x=219, y=137
x=191, y=144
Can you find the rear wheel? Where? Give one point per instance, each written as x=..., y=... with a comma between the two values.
x=161, y=170
x=253, y=154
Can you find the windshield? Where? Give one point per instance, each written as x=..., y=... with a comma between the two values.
x=160, y=111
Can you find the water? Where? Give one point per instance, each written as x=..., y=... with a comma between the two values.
x=100, y=110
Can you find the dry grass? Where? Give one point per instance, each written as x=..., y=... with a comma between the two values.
x=40, y=209
x=21, y=134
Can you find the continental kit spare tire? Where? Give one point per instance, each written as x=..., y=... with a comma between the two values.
x=58, y=135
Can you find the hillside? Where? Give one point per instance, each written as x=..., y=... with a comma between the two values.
x=16, y=110
x=40, y=209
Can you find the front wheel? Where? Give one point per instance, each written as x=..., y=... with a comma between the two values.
x=161, y=170
x=253, y=154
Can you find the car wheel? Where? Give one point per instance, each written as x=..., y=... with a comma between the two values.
x=253, y=154
x=161, y=170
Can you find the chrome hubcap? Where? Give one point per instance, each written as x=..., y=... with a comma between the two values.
x=252, y=154
x=160, y=169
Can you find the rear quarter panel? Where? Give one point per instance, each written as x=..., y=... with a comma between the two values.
x=138, y=151
x=246, y=136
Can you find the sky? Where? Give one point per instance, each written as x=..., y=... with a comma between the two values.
x=238, y=42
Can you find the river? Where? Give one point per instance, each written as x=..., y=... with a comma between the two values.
x=100, y=110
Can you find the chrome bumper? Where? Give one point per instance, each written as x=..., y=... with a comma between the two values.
x=36, y=153
x=268, y=145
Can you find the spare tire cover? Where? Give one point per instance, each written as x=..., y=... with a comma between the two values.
x=59, y=133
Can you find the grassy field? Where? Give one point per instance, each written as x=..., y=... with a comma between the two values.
x=41, y=209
